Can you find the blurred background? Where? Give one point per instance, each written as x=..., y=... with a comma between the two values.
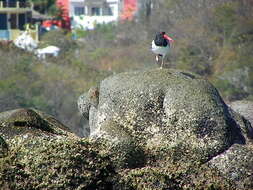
x=212, y=38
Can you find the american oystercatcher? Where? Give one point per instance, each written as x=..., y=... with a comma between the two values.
x=161, y=46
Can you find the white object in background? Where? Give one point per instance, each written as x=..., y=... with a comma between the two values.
x=26, y=42
x=50, y=50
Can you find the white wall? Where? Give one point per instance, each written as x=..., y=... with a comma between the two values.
x=73, y=4
x=115, y=7
x=89, y=22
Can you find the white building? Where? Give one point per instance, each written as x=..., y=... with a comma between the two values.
x=86, y=14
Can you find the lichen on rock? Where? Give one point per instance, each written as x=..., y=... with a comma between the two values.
x=155, y=129
x=55, y=162
x=29, y=121
x=176, y=118
x=38, y=152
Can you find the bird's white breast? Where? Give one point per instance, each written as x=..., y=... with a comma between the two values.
x=160, y=49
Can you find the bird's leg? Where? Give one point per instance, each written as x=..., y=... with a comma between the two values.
x=162, y=62
x=157, y=58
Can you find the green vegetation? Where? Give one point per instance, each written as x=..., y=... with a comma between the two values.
x=212, y=38
x=52, y=86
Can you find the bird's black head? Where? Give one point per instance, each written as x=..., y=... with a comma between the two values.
x=160, y=33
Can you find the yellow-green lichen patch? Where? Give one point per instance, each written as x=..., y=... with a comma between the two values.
x=158, y=178
x=149, y=178
x=55, y=163
x=29, y=121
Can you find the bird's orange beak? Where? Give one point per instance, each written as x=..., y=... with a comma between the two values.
x=168, y=38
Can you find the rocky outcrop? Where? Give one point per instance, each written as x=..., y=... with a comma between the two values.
x=29, y=121
x=156, y=129
x=38, y=152
x=177, y=117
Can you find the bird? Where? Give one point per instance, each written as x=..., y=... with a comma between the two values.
x=161, y=46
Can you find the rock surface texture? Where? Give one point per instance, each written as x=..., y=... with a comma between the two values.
x=177, y=117
x=245, y=108
x=150, y=130
x=38, y=152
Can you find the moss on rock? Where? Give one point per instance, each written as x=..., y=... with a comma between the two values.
x=171, y=120
x=27, y=121
x=159, y=129
x=55, y=163
x=164, y=111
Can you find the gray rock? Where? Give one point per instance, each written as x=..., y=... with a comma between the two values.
x=87, y=105
x=245, y=108
x=178, y=117
x=23, y=122
x=236, y=164
x=38, y=152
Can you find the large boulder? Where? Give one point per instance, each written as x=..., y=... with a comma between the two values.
x=172, y=120
x=25, y=122
x=157, y=129
x=38, y=152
